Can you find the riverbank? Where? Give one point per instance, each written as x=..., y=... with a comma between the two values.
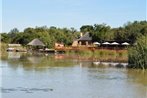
x=3, y=48
x=87, y=54
x=100, y=55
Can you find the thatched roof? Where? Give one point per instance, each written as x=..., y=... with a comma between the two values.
x=36, y=42
x=85, y=37
x=14, y=45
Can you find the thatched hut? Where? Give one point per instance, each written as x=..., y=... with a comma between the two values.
x=36, y=44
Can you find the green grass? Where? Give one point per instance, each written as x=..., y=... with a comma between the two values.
x=101, y=54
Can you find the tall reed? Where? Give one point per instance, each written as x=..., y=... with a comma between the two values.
x=3, y=48
x=101, y=54
x=138, y=54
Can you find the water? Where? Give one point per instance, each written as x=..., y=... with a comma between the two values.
x=50, y=76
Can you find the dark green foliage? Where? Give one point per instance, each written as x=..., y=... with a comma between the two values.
x=138, y=53
x=99, y=32
x=86, y=28
x=48, y=35
x=5, y=38
x=14, y=30
x=102, y=33
x=129, y=32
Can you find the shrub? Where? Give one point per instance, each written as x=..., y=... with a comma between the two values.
x=138, y=54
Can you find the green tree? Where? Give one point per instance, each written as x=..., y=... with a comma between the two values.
x=86, y=28
x=102, y=33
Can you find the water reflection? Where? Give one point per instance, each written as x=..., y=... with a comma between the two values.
x=36, y=62
x=111, y=64
x=56, y=76
x=138, y=75
x=26, y=90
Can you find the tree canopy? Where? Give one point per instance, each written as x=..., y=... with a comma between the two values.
x=48, y=35
x=99, y=32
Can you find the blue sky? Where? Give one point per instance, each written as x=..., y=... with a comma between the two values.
x=69, y=13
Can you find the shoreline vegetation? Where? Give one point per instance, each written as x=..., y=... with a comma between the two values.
x=87, y=54
x=138, y=54
x=131, y=55
x=3, y=48
x=100, y=55
x=133, y=32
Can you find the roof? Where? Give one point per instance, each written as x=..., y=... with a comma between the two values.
x=96, y=43
x=36, y=42
x=125, y=43
x=14, y=45
x=114, y=43
x=86, y=37
x=106, y=43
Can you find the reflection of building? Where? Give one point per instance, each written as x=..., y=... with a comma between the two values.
x=13, y=55
x=84, y=40
x=35, y=59
x=59, y=57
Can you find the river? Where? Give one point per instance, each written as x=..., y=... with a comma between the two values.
x=55, y=76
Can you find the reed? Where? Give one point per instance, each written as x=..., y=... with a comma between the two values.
x=138, y=54
x=101, y=54
x=3, y=48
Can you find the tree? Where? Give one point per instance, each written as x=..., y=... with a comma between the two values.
x=101, y=33
x=14, y=30
x=86, y=28
x=138, y=53
x=5, y=38
x=120, y=34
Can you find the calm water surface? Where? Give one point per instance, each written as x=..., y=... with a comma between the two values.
x=53, y=76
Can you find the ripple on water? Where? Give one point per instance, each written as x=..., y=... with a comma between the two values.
x=26, y=90
x=105, y=77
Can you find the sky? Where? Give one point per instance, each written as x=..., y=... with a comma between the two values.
x=69, y=13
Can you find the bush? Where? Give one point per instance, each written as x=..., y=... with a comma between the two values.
x=138, y=54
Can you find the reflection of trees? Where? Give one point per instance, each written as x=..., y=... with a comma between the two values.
x=37, y=62
x=138, y=76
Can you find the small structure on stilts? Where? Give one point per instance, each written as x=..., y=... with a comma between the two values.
x=35, y=45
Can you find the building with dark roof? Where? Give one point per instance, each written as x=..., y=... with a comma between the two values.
x=84, y=40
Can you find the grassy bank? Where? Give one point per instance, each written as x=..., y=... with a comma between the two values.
x=138, y=54
x=101, y=54
x=3, y=48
